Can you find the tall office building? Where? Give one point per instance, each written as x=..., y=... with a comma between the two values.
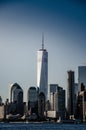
x=32, y=99
x=70, y=93
x=81, y=106
x=81, y=76
x=57, y=99
x=15, y=106
x=16, y=93
x=42, y=70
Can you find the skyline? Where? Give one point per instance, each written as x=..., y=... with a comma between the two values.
x=21, y=26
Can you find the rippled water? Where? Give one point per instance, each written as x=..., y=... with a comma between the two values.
x=41, y=126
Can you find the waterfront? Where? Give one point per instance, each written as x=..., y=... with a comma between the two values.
x=41, y=126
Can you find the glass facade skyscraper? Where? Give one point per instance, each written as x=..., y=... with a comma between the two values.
x=42, y=71
x=32, y=100
x=16, y=93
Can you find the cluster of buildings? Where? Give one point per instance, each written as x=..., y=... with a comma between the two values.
x=47, y=101
x=76, y=95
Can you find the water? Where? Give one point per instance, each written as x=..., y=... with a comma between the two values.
x=41, y=126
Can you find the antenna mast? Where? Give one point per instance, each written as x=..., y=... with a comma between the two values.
x=42, y=41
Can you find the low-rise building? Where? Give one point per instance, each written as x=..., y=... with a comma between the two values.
x=2, y=112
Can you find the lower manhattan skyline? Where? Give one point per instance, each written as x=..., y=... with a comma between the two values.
x=21, y=25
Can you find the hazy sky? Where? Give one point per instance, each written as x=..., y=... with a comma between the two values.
x=21, y=25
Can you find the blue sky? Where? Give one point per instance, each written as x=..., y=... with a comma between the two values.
x=21, y=25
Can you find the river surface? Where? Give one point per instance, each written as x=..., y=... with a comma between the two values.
x=41, y=126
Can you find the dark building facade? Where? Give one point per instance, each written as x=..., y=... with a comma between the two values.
x=81, y=76
x=16, y=93
x=15, y=106
x=32, y=100
x=41, y=105
x=81, y=104
x=70, y=93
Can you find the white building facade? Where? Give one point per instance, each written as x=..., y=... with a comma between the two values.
x=42, y=71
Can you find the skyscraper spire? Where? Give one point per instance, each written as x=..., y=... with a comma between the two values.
x=42, y=40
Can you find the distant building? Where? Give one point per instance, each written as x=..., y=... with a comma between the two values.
x=15, y=105
x=81, y=106
x=75, y=97
x=16, y=93
x=0, y=100
x=32, y=100
x=2, y=112
x=57, y=99
x=41, y=105
x=81, y=76
x=42, y=70
x=70, y=93
x=76, y=89
x=11, y=108
x=47, y=105
x=53, y=88
x=52, y=115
